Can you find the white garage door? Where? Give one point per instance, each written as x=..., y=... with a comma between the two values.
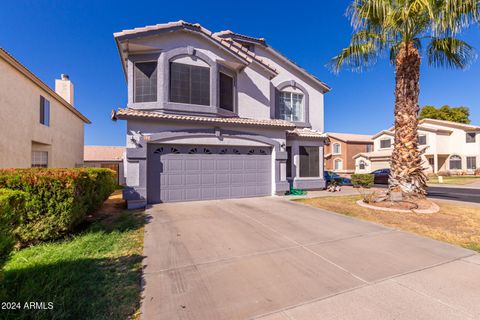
x=188, y=173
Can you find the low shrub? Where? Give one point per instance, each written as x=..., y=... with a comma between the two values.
x=11, y=203
x=56, y=200
x=364, y=180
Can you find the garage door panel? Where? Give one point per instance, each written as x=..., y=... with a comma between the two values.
x=186, y=173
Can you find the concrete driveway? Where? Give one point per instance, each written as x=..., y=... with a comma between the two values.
x=272, y=259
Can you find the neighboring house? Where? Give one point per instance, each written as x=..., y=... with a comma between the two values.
x=449, y=146
x=109, y=157
x=39, y=127
x=215, y=116
x=341, y=149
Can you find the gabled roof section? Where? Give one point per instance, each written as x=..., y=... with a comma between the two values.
x=128, y=113
x=307, y=133
x=234, y=48
x=232, y=36
x=386, y=132
x=451, y=124
x=350, y=137
x=32, y=77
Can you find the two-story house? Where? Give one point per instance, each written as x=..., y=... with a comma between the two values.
x=342, y=147
x=39, y=127
x=215, y=116
x=448, y=147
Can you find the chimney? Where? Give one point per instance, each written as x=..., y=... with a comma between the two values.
x=64, y=88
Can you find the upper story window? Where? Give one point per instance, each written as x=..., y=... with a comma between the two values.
x=336, y=148
x=145, y=81
x=385, y=143
x=369, y=147
x=189, y=84
x=44, y=111
x=291, y=106
x=470, y=137
x=422, y=140
x=226, y=92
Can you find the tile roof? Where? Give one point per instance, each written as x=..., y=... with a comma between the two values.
x=230, y=34
x=374, y=154
x=350, y=137
x=306, y=133
x=103, y=153
x=132, y=113
x=30, y=75
x=450, y=124
x=231, y=46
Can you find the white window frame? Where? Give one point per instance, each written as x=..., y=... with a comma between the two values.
x=284, y=116
x=386, y=139
x=474, y=137
x=450, y=162
x=362, y=163
x=39, y=159
x=339, y=148
x=422, y=135
x=474, y=162
x=335, y=164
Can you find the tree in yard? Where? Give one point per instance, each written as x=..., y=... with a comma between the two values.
x=455, y=114
x=399, y=28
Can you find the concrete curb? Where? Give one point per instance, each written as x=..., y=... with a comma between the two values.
x=434, y=208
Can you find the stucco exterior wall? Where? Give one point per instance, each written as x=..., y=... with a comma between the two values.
x=20, y=127
x=347, y=151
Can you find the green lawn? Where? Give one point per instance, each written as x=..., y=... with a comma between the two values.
x=93, y=275
x=458, y=180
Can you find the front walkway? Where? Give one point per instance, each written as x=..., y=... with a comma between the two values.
x=272, y=259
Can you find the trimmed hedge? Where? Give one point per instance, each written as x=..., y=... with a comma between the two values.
x=10, y=201
x=364, y=180
x=56, y=200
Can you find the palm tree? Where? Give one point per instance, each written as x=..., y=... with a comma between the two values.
x=398, y=28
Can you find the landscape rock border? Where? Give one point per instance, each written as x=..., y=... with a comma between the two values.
x=434, y=208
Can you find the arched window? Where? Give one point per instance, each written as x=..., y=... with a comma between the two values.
x=292, y=102
x=455, y=162
x=336, y=148
x=338, y=164
x=362, y=165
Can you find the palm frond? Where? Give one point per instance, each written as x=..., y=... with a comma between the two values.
x=451, y=16
x=356, y=57
x=450, y=52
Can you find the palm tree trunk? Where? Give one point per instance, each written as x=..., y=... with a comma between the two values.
x=406, y=163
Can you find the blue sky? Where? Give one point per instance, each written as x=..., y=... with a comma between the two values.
x=75, y=37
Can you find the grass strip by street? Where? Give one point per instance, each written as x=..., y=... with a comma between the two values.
x=94, y=274
x=454, y=223
x=457, y=180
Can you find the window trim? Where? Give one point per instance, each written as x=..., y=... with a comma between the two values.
x=39, y=165
x=468, y=134
x=450, y=162
x=339, y=148
x=385, y=139
x=418, y=140
x=362, y=163
x=369, y=146
x=335, y=164
x=169, y=93
x=44, y=111
x=309, y=169
x=134, y=80
x=233, y=75
x=275, y=103
x=474, y=162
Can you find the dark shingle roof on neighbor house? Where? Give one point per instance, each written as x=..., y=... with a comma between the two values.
x=103, y=153
x=31, y=76
x=133, y=113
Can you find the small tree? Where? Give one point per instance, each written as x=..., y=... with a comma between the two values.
x=455, y=114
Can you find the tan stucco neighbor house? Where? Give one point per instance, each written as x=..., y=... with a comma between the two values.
x=448, y=147
x=342, y=147
x=110, y=157
x=39, y=127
